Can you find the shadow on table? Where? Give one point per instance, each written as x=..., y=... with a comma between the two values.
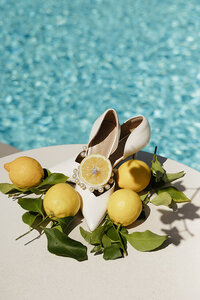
x=147, y=157
x=188, y=211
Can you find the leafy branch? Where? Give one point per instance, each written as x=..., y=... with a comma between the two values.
x=166, y=194
x=108, y=239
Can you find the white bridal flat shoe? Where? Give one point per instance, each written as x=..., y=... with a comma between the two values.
x=135, y=135
x=104, y=139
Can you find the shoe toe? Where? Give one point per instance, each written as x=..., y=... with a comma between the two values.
x=94, y=207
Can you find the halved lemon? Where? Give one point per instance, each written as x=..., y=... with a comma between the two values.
x=95, y=170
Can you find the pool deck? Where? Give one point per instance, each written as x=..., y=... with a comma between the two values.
x=7, y=150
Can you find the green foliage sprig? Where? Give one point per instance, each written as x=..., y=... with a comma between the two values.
x=108, y=239
x=160, y=184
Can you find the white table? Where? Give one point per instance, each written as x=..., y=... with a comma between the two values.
x=31, y=272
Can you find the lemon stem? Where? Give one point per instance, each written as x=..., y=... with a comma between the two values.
x=38, y=225
x=118, y=227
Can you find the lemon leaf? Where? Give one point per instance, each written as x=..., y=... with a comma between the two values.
x=145, y=241
x=169, y=177
x=145, y=198
x=65, y=223
x=52, y=179
x=162, y=199
x=60, y=244
x=94, y=237
x=29, y=218
x=175, y=194
x=116, y=236
x=8, y=188
x=97, y=234
x=160, y=176
x=112, y=252
x=112, y=234
x=85, y=234
x=106, y=241
x=32, y=204
x=157, y=169
x=97, y=249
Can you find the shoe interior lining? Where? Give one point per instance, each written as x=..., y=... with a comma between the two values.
x=129, y=126
x=103, y=141
x=126, y=129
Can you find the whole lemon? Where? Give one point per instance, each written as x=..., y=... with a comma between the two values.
x=124, y=207
x=25, y=172
x=134, y=174
x=61, y=201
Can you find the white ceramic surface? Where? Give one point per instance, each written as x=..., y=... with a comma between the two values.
x=31, y=272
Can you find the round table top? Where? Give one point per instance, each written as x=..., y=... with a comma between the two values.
x=31, y=272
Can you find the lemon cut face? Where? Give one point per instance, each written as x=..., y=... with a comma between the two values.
x=95, y=170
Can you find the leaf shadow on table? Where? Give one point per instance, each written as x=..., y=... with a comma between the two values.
x=147, y=157
x=77, y=220
x=188, y=211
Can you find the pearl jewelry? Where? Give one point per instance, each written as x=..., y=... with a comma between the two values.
x=107, y=186
x=100, y=190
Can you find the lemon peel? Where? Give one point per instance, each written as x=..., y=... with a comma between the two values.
x=124, y=207
x=134, y=174
x=61, y=201
x=25, y=172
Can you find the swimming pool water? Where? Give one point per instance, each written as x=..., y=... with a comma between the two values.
x=62, y=63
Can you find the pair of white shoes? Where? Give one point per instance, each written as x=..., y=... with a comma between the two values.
x=113, y=141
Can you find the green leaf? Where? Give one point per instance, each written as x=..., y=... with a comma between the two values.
x=29, y=218
x=57, y=226
x=162, y=199
x=176, y=195
x=145, y=241
x=96, y=249
x=96, y=235
x=106, y=241
x=85, y=234
x=123, y=231
x=32, y=204
x=169, y=177
x=60, y=244
x=8, y=188
x=52, y=179
x=157, y=169
x=47, y=172
x=65, y=223
x=145, y=198
x=33, y=190
x=112, y=252
x=115, y=235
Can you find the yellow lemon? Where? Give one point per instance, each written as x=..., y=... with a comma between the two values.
x=95, y=170
x=124, y=207
x=25, y=172
x=134, y=174
x=61, y=201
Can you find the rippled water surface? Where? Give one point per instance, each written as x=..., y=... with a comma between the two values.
x=62, y=63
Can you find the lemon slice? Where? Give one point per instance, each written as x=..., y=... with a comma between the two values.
x=95, y=170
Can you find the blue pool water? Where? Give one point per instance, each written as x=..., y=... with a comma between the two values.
x=62, y=63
